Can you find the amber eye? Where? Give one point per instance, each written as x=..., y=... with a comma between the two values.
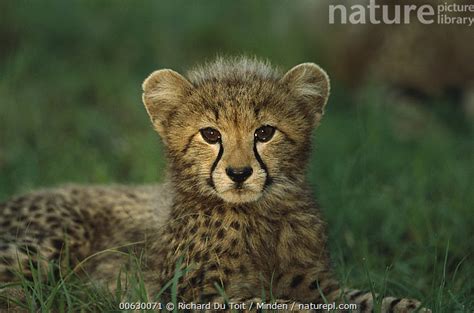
x=210, y=135
x=264, y=133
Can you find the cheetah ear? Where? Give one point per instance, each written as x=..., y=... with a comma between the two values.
x=163, y=93
x=310, y=85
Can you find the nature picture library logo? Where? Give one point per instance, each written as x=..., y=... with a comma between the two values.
x=371, y=12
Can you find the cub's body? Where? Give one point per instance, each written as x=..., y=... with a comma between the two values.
x=236, y=214
x=89, y=218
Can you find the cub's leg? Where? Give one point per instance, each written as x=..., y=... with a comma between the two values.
x=319, y=286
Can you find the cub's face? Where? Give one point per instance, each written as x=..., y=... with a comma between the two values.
x=238, y=139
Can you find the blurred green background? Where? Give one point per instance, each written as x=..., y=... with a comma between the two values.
x=394, y=177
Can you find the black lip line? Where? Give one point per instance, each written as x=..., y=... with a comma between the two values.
x=214, y=165
x=268, y=179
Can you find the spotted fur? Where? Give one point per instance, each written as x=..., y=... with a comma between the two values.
x=262, y=232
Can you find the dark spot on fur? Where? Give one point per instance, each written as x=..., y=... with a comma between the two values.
x=363, y=305
x=26, y=263
x=256, y=111
x=13, y=228
x=55, y=256
x=34, y=208
x=279, y=277
x=5, y=224
x=217, y=224
x=220, y=210
x=56, y=225
x=8, y=275
x=248, y=230
x=235, y=225
x=393, y=304
x=234, y=254
x=28, y=276
x=6, y=260
x=216, y=113
x=52, y=219
x=86, y=214
x=201, y=276
x=131, y=195
x=194, y=281
x=197, y=256
x=296, y=281
x=314, y=284
x=57, y=243
x=28, y=249
x=14, y=207
x=220, y=234
x=242, y=269
x=22, y=218
x=39, y=237
x=233, y=243
x=67, y=207
x=33, y=225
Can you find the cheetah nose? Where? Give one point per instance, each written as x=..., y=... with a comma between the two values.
x=239, y=175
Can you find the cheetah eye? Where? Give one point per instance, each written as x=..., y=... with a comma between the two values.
x=210, y=135
x=264, y=133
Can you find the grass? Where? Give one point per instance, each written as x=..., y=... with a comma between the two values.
x=398, y=199
x=399, y=208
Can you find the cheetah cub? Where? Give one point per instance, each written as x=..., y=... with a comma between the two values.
x=236, y=213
